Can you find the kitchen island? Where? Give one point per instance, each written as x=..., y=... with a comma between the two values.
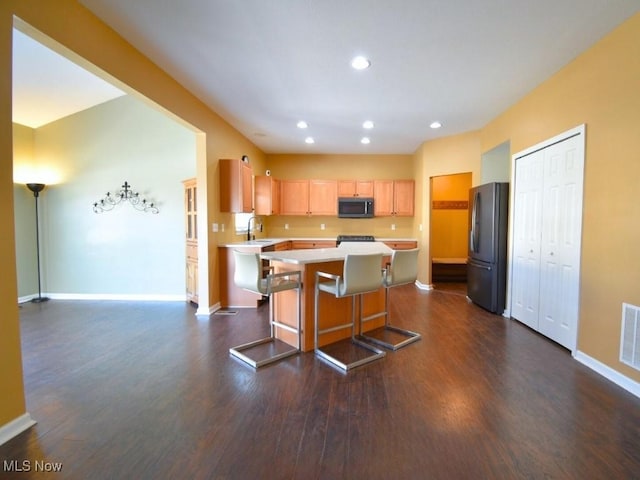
x=333, y=311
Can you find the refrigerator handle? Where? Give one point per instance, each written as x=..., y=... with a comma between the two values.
x=473, y=240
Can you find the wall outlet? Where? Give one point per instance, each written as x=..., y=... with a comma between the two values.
x=222, y=227
x=393, y=226
x=322, y=226
x=214, y=227
x=420, y=227
x=286, y=226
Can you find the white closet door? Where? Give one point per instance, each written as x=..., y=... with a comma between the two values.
x=561, y=234
x=527, y=221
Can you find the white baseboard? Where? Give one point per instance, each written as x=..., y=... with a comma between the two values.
x=423, y=286
x=15, y=427
x=609, y=373
x=117, y=296
x=207, y=312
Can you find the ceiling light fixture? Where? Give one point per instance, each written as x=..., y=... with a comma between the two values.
x=302, y=124
x=309, y=140
x=367, y=124
x=435, y=125
x=360, y=63
x=365, y=140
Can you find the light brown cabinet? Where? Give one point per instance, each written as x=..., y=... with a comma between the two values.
x=307, y=244
x=401, y=244
x=191, y=234
x=309, y=197
x=267, y=190
x=394, y=198
x=236, y=193
x=355, y=188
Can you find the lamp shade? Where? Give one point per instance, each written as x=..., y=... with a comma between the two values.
x=36, y=188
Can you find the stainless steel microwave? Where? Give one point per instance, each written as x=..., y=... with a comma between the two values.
x=355, y=207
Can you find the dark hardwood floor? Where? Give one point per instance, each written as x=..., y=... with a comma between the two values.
x=126, y=390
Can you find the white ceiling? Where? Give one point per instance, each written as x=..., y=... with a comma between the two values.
x=264, y=65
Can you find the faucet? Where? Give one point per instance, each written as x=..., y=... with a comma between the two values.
x=249, y=227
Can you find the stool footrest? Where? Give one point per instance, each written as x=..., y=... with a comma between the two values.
x=409, y=337
x=375, y=354
x=373, y=317
x=270, y=353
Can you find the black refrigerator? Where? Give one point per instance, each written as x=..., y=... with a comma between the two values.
x=487, y=262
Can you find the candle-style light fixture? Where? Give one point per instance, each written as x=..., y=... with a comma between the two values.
x=126, y=194
x=36, y=188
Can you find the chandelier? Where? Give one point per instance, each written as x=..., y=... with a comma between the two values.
x=126, y=194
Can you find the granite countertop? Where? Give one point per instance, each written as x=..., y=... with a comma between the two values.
x=318, y=255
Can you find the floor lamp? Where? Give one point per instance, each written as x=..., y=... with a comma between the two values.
x=36, y=188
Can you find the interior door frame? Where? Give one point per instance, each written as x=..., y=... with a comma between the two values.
x=580, y=130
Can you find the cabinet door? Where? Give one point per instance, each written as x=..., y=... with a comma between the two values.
x=560, y=242
x=236, y=193
x=403, y=198
x=192, y=281
x=527, y=225
x=383, y=197
x=294, y=197
x=267, y=191
x=347, y=188
x=355, y=188
x=191, y=207
x=247, y=190
x=323, y=197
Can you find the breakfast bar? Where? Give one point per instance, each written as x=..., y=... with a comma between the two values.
x=334, y=310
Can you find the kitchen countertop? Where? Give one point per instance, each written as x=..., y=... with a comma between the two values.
x=319, y=255
x=266, y=242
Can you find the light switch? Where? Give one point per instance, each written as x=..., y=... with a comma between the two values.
x=214, y=227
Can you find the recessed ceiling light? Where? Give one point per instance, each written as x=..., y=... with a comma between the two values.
x=435, y=125
x=309, y=140
x=302, y=124
x=360, y=63
x=368, y=124
x=365, y=140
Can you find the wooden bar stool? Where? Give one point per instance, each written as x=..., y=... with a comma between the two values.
x=249, y=275
x=361, y=274
x=402, y=270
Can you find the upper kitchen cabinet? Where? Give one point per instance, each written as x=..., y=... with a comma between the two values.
x=394, y=198
x=309, y=197
x=355, y=188
x=235, y=186
x=267, y=195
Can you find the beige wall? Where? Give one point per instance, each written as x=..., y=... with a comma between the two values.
x=444, y=156
x=601, y=89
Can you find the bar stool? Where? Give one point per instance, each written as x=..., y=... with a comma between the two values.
x=249, y=275
x=402, y=270
x=361, y=274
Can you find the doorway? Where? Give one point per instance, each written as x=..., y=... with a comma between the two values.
x=449, y=227
x=93, y=149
